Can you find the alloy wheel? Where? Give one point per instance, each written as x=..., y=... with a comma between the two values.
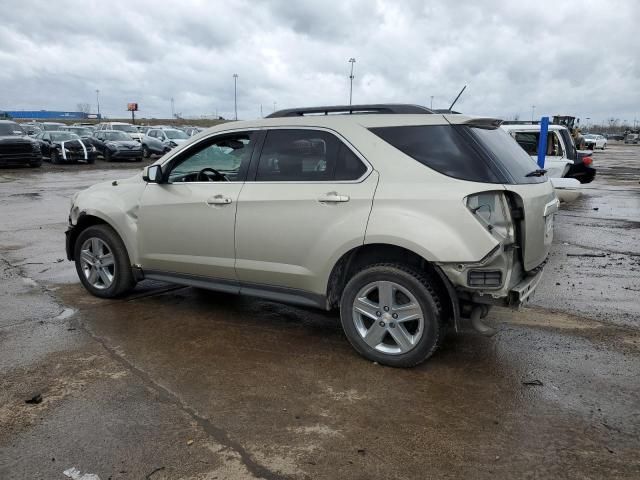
x=97, y=262
x=388, y=317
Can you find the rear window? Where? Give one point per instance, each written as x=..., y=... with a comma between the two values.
x=507, y=154
x=441, y=147
x=487, y=155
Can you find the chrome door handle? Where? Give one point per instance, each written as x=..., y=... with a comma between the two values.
x=219, y=200
x=333, y=197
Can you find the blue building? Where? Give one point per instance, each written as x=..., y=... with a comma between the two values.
x=50, y=115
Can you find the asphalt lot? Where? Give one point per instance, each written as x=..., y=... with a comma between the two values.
x=178, y=383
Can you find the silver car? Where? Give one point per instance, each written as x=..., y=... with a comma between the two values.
x=409, y=223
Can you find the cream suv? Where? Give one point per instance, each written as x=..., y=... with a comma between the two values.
x=406, y=221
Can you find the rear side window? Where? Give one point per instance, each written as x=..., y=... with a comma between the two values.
x=290, y=155
x=442, y=148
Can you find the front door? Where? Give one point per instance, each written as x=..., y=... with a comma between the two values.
x=186, y=224
x=309, y=199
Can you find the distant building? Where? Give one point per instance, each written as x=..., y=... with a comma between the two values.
x=50, y=115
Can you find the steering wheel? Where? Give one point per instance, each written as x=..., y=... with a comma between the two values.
x=203, y=177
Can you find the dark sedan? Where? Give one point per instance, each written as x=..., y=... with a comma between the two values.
x=117, y=145
x=16, y=148
x=65, y=147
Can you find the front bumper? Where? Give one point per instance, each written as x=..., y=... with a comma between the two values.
x=20, y=159
x=126, y=154
x=523, y=290
x=68, y=242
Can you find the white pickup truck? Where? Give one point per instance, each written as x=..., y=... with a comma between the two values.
x=566, y=166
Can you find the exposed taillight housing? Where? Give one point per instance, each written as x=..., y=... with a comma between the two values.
x=587, y=161
x=491, y=209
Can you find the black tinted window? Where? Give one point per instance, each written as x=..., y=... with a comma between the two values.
x=442, y=148
x=7, y=129
x=506, y=152
x=306, y=156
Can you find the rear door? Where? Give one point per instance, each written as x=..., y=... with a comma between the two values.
x=307, y=198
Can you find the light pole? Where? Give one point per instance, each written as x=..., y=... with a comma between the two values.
x=533, y=110
x=431, y=107
x=352, y=61
x=98, y=101
x=274, y=106
x=235, y=94
x=173, y=110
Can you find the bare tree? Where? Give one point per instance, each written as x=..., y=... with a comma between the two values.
x=84, y=107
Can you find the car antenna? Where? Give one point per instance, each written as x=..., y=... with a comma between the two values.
x=454, y=102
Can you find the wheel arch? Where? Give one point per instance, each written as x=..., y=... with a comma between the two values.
x=359, y=257
x=84, y=221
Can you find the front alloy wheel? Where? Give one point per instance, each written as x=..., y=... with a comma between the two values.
x=102, y=262
x=96, y=260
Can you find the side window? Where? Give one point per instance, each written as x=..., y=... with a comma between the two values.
x=306, y=156
x=222, y=159
x=554, y=145
x=528, y=141
x=152, y=133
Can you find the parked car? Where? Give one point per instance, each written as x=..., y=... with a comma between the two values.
x=161, y=140
x=128, y=128
x=85, y=133
x=31, y=129
x=593, y=141
x=191, y=131
x=16, y=147
x=52, y=126
x=562, y=159
x=405, y=221
x=117, y=145
x=63, y=147
x=632, y=138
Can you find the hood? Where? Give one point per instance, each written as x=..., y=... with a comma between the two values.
x=15, y=139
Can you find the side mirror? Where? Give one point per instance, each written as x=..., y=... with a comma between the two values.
x=152, y=174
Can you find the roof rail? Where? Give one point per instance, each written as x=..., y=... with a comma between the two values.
x=388, y=108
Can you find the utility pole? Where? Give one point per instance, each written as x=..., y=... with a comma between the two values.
x=235, y=94
x=261, y=114
x=431, y=107
x=533, y=109
x=98, y=101
x=274, y=106
x=173, y=110
x=351, y=61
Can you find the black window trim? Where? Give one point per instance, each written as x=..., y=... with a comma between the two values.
x=253, y=168
x=242, y=174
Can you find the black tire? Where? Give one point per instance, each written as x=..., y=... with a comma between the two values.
x=421, y=288
x=36, y=164
x=604, y=145
x=145, y=151
x=107, y=155
x=91, y=159
x=123, y=280
x=55, y=158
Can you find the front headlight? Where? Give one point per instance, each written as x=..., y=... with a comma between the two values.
x=492, y=211
x=92, y=148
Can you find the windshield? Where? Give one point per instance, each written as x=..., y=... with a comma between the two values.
x=117, y=136
x=125, y=128
x=175, y=134
x=52, y=126
x=64, y=136
x=11, y=129
x=81, y=131
x=590, y=136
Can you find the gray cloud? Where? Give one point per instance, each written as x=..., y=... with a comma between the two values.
x=573, y=57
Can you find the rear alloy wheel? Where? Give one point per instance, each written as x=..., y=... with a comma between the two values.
x=55, y=158
x=102, y=262
x=392, y=315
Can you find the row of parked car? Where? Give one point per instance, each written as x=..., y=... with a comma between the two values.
x=31, y=143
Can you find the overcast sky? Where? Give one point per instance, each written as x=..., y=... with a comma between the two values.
x=564, y=57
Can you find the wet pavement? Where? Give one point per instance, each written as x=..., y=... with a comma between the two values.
x=175, y=382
